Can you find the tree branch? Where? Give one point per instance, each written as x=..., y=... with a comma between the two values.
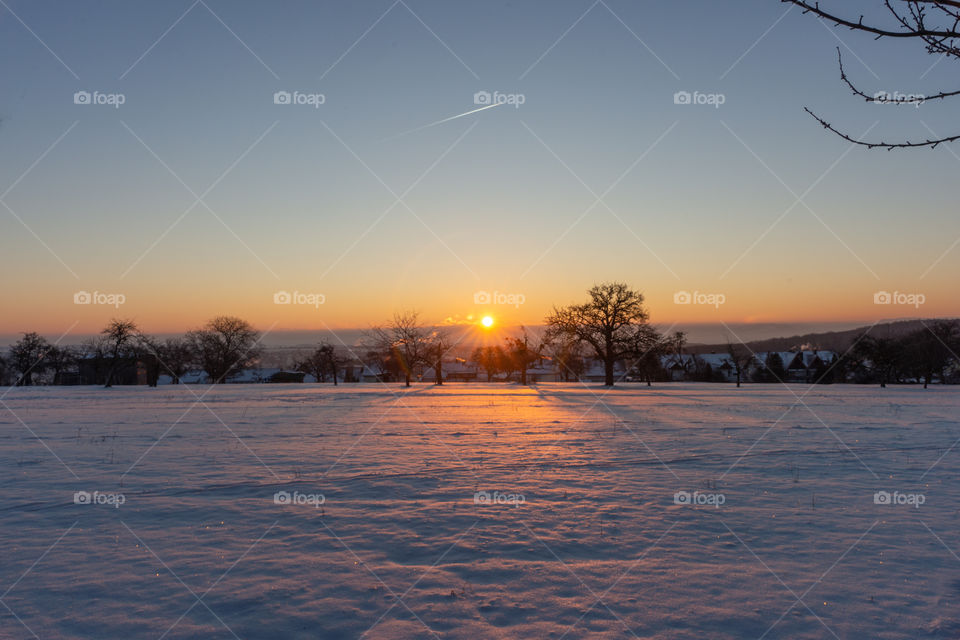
x=881, y=145
x=919, y=31
x=914, y=99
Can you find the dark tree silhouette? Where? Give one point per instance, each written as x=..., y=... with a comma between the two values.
x=27, y=357
x=121, y=339
x=175, y=357
x=609, y=322
x=405, y=341
x=491, y=359
x=323, y=361
x=58, y=360
x=521, y=354
x=439, y=344
x=739, y=358
x=224, y=346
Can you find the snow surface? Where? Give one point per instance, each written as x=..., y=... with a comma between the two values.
x=595, y=547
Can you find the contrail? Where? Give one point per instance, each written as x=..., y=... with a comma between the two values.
x=433, y=124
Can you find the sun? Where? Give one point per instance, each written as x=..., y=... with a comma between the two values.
x=487, y=321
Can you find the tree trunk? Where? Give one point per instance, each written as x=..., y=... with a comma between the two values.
x=407, y=378
x=439, y=371
x=608, y=371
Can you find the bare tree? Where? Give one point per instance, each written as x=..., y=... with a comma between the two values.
x=491, y=359
x=883, y=357
x=405, y=341
x=609, y=322
x=121, y=338
x=930, y=349
x=175, y=356
x=522, y=354
x=320, y=362
x=678, y=340
x=58, y=360
x=224, y=346
x=27, y=357
x=740, y=358
x=933, y=23
x=440, y=344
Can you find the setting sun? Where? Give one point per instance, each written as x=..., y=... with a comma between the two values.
x=487, y=321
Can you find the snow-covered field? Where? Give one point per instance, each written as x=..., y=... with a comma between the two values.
x=480, y=511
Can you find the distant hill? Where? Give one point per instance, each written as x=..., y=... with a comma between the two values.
x=831, y=340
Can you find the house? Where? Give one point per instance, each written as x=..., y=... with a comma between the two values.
x=704, y=367
x=720, y=366
x=458, y=370
x=595, y=371
x=543, y=370
x=797, y=366
x=678, y=366
x=368, y=373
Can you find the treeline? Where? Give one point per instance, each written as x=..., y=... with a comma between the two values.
x=925, y=355
x=610, y=328
x=121, y=353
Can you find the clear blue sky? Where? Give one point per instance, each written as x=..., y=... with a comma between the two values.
x=300, y=212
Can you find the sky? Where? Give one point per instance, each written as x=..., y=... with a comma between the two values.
x=151, y=166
